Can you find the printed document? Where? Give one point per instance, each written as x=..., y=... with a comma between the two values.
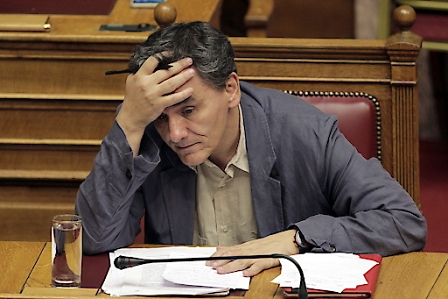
x=174, y=278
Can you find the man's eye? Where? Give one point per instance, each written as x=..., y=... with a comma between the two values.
x=161, y=117
x=188, y=111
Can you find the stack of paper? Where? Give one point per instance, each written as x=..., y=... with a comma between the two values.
x=176, y=278
x=333, y=272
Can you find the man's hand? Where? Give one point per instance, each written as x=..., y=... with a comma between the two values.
x=282, y=242
x=148, y=93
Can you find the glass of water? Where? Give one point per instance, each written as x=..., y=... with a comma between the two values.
x=66, y=237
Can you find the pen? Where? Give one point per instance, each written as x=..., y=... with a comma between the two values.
x=161, y=66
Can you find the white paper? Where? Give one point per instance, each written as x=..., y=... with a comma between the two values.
x=148, y=279
x=196, y=273
x=333, y=272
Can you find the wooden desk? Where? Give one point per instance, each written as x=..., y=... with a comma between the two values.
x=26, y=271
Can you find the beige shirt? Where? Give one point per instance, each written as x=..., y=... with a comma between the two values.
x=224, y=210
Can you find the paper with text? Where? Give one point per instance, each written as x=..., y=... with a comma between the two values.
x=148, y=279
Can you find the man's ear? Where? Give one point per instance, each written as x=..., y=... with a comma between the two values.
x=233, y=90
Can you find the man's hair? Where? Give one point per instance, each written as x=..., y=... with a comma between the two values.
x=210, y=50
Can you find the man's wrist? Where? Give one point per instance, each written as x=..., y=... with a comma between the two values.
x=300, y=242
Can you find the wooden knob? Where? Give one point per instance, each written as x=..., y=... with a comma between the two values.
x=404, y=17
x=165, y=14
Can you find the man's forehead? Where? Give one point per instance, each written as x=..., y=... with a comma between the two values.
x=184, y=102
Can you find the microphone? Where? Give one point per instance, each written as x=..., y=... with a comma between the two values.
x=123, y=262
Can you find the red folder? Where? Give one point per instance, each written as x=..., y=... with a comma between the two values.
x=362, y=291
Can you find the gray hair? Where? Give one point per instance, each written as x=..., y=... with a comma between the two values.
x=211, y=51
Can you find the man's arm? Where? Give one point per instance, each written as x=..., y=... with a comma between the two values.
x=108, y=200
x=371, y=211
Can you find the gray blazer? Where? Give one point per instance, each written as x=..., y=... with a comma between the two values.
x=303, y=173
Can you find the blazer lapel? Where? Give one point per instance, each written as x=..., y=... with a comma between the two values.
x=266, y=188
x=179, y=192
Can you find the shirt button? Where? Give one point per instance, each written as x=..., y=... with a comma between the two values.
x=128, y=174
x=225, y=229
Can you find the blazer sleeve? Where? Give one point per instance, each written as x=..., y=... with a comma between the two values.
x=109, y=200
x=372, y=212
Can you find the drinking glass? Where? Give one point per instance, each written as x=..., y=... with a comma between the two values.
x=66, y=236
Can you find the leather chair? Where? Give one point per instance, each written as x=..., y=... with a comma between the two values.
x=359, y=117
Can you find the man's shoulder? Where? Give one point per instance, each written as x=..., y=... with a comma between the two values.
x=275, y=101
x=260, y=93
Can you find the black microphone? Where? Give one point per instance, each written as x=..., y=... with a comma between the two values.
x=123, y=262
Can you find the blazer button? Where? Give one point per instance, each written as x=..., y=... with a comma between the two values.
x=128, y=174
x=332, y=247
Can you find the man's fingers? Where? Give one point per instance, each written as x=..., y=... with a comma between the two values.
x=148, y=66
x=251, y=267
x=260, y=265
x=177, y=97
x=152, y=62
x=175, y=83
x=233, y=266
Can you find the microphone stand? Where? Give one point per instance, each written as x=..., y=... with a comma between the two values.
x=123, y=262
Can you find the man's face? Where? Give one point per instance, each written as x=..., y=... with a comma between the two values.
x=196, y=128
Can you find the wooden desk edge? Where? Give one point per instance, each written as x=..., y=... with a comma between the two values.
x=261, y=285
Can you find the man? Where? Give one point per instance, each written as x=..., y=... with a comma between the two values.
x=210, y=160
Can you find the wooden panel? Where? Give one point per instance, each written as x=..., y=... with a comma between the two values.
x=27, y=207
x=83, y=7
x=41, y=74
x=300, y=19
x=31, y=116
x=85, y=28
x=311, y=18
x=30, y=156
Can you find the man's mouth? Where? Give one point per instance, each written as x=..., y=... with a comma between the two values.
x=185, y=147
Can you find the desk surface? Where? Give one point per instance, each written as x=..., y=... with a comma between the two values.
x=26, y=271
x=85, y=28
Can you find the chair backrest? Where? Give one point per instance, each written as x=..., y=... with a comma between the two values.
x=359, y=117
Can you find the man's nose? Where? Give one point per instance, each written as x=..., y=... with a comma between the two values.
x=177, y=128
